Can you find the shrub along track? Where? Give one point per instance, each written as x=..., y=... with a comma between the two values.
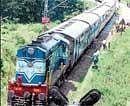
x=80, y=70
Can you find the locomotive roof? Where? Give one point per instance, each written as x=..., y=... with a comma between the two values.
x=47, y=42
x=62, y=24
x=74, y=29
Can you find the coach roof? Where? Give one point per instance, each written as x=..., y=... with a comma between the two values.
x=101, y=11
x=87, y=17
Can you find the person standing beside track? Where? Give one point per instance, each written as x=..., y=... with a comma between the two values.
x=104, y=44
x=95, y=59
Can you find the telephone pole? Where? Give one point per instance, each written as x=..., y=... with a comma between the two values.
x=45, y=8
x=45, y=18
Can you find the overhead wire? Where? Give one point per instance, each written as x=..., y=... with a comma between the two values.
x=57, y=6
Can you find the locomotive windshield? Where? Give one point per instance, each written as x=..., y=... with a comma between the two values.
x=31, y=65
x=33, y=71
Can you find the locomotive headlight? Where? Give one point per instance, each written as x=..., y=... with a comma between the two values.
x=31, y=51
x=18, y=89
x=37, y=90
x=41, y=96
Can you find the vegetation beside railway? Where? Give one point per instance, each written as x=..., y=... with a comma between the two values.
x=112, y=77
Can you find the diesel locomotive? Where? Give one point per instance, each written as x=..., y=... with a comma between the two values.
x=44, y=62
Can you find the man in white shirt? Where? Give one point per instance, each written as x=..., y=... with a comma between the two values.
x=104, y=42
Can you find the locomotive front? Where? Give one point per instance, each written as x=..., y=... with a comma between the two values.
x=35, y=65
x=29, y=86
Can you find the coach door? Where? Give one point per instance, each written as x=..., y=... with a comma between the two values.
x=76, y=49
x=96, y=28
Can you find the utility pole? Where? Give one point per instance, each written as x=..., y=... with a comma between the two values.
x=45, y=8
x=45, y=18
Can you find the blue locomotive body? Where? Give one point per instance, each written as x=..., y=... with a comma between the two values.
x=35, y=59
x=30, y=65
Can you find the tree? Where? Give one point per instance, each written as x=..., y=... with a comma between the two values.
x=32, y=10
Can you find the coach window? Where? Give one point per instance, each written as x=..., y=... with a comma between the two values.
x=107, y=14
x=103, y=18
x=87, y=36
x=92, y=28
x=83, y=40
x=95, y=27
x=79, y=45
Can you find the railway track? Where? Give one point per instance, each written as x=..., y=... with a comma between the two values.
x=84, y=63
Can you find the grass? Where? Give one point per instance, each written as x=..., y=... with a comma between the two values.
x=113, y=75
x=125, y=1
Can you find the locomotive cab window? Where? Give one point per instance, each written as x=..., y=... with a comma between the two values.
x=31, y=66
x=63, y=54
x=60, y=55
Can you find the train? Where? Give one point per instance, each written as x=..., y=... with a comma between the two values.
x=44, y=62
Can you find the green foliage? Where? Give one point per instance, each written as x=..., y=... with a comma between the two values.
x=127, y=1
x=32, y=10
x=19, y=10
x=1, y=67
x=20, y=40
